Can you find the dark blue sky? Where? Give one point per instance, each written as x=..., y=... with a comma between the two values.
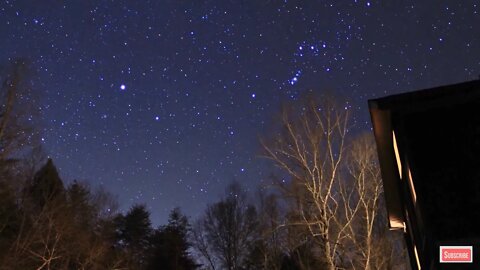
x=162, y=102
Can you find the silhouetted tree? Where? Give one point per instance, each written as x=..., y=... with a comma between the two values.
x=47, y=185
x=80, y=205
x=44, y=223
x=134, y=232
x=269, y=248
x=88, y=237
x=170, y=245
x=229, y=228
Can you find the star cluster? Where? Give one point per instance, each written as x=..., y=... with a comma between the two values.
x=162, y=102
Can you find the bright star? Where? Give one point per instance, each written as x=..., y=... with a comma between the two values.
x=294, y=80
x=123, y=87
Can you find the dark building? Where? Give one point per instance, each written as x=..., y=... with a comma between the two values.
x=428, y=145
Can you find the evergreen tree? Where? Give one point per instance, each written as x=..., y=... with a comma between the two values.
x=80, y=205
x=134, y=233
x=170, y=246
x=47, y=185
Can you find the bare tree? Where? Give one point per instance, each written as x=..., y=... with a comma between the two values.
x=310, y=147
x=47, y=246
x=228, y=229
x=368, y=244
x=335, y=186
x=202, y=247
x=269, y=248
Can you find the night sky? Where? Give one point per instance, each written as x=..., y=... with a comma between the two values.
x=162, y=102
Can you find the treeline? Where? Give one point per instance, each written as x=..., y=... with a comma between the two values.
x=46, y=225
x=323, y=210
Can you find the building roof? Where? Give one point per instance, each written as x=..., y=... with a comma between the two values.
x=387, y=113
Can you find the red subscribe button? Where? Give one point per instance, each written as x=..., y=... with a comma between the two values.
x=456, y=254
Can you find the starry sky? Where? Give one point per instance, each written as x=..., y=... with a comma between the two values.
x=162, y=102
